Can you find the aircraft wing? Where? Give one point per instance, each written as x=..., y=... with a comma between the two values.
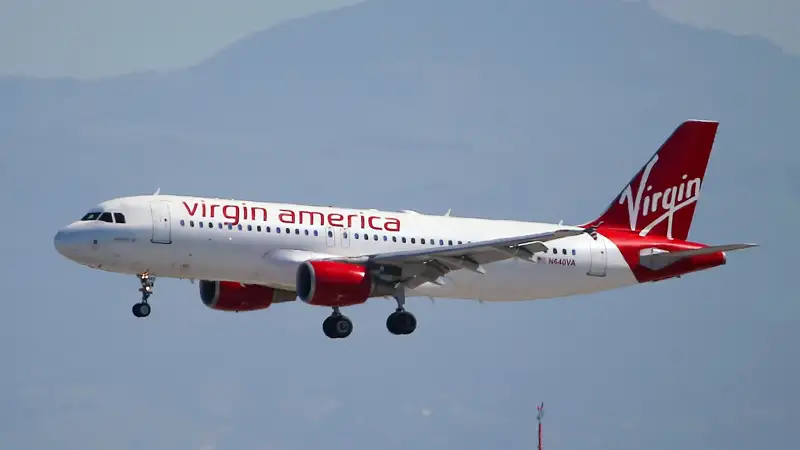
x=428, y=264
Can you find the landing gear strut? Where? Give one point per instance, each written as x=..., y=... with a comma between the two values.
x=147, y=281
x=401, y=322
x=337, y=325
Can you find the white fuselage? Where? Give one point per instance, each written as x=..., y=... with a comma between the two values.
x=263, y=243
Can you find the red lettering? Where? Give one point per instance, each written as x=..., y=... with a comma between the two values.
x=395, y=223
x=192, y=210
x=286, y=212
x=338, y=218
x=312, y=215
x=233, y=218
x=350, y=220
x=253, y=210
x=236, y=213
x=373, y=226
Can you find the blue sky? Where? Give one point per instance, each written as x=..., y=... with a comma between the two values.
x=95, y=38
x=536, y=132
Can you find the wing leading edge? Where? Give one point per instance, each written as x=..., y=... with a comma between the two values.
x=415, y=267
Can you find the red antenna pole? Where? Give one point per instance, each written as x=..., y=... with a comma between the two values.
x=539, y=415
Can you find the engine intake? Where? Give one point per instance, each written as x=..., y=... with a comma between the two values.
x=336, y=284
x=232, y=296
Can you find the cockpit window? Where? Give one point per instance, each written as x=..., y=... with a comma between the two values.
x=106, y=217
x=119, y=218
x=91, y=216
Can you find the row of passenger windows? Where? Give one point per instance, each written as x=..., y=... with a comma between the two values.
x=104, y=217
x=345, y=235
x=364, y=236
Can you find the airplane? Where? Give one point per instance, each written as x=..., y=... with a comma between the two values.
x=248, y=255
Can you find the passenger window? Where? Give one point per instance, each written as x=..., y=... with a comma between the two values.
x=450, y=242
x=119, y=218
x=191, y=223
x=91, y=216
x=249, y=228
x=555, y=251
x=394, y=238
x=258, y=228
x=374, y=237
x=421, y=241
x=106, y=217
x=573, y=252
x=564, y=251
x=413, y=240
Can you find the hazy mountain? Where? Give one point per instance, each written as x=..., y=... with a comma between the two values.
x=525, y=109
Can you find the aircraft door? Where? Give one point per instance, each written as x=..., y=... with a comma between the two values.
x=598, y=259
x=330, y=236
x=162, y=225
x=345, y=238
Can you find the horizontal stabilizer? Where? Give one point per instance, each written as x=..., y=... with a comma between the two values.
x=656, y=259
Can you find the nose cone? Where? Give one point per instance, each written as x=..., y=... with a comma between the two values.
x=60, y=241
x=68, y=241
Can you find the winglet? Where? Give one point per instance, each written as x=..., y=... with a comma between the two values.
x=157, y=191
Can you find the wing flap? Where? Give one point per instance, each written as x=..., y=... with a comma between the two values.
x=427, y=265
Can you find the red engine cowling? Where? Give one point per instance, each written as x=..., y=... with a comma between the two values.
x=232, y=296
x=333, y=284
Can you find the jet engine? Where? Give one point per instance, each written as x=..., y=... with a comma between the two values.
x=233, y=296
x=336, y=284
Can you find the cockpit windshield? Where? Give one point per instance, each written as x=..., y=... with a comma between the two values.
x=104, y=216
x=91, y=216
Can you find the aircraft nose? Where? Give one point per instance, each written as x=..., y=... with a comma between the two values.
x=60, y=242
x=66, y=242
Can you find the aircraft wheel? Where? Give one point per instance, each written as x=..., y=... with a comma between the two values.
x=401, y=323
x=337, y=327
x=141, y=309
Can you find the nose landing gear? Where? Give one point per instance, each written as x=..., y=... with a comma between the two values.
x=142, y=309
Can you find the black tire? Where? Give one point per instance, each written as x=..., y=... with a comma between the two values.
x=343, y=327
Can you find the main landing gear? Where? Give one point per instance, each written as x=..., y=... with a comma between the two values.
x=337, y=325
x=400, y=322
x=142, y=309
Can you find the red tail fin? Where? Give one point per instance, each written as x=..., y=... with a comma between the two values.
x=660, y=200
